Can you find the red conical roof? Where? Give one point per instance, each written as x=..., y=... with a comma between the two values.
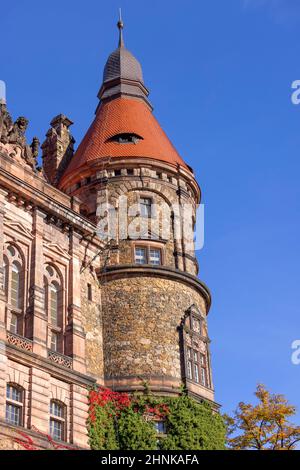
x=124, y=109
x=122, y=116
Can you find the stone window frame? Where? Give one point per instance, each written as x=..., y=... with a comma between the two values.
x=20, y=404
x=149, y=214
x=160, y=426
x=191, y=339
x=58, y=419
x=14, y=256
x=157, y=200
x=54, y=278
x=148, y=245
x=151, y=195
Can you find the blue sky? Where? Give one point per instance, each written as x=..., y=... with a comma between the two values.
x=220, y=76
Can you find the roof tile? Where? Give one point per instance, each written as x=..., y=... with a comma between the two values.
x=123, y=115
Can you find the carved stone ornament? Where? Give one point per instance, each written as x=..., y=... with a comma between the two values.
x=13, y=140
x=6, y=123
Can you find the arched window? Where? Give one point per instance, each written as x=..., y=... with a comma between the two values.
x=54, y=306
x=13, y=283
x=14, y=404
x=57, y=420
x=5, y=274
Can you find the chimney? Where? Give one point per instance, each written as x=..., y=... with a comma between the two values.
x=58, y=148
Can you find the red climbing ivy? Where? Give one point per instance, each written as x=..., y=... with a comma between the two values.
x=28, y=442
x=119, y=421
x=122, y=421
x=104, y=397
x=126, y=422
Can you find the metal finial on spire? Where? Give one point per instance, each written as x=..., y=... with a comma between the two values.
x=120, y=26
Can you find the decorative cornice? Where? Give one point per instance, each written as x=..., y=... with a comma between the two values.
x=37, y=197
x=17, y=227
x=129, y=270
x=56, y=370
x=100, y=170
x=136, y=383
x=54, y=247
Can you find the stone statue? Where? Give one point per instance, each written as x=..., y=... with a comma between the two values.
x=12, y=136
x=6, y=123
x=17, y=136
x=32, y=153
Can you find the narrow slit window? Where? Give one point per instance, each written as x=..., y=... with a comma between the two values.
x=5, y=277
x=54, y=304
x=54, y=341
x=90, y=292
x=14, y=323
x=15, y=286
x=204, y=379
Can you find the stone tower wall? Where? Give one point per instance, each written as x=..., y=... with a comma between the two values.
x=165, y=187
x=143, y=306
x=141, y=331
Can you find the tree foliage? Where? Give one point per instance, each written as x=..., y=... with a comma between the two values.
x=264, y=426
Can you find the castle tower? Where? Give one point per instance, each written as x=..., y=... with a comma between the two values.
x=133, y=183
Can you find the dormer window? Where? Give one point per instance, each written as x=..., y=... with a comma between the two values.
x=126, y=138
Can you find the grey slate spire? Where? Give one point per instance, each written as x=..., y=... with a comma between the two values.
x=122, y=73
x=120, y=26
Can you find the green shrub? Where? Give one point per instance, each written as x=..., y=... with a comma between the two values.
x=120, y=421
